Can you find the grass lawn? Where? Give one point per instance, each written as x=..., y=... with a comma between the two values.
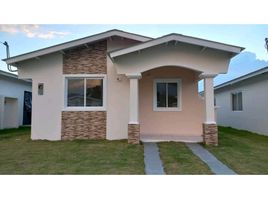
x=242, y=151
x=20, y=155
x=178, y=159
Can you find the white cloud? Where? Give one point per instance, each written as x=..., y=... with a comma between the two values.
x=31, y=31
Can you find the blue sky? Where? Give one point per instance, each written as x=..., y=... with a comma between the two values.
x=25, y=38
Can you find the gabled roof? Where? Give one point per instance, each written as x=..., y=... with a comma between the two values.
x=242, y=78
x=13, y=76
x=178, y=38
x=7, y=74
x=74, y=43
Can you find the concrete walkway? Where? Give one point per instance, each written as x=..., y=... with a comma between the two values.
x=216, y=166
x=153, y=163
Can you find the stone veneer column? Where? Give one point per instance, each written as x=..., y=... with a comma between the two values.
x=210, y=134
x=133, y=125
x=210, y=130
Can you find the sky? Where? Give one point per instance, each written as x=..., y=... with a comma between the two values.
x=25, y=38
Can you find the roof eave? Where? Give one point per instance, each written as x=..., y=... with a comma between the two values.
x=242, y=78
x=180, y=38
x=74, y=43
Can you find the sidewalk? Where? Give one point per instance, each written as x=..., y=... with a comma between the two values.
x=216, y=166
x=153, y=163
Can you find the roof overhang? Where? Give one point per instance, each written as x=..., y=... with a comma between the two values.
x=233, y=50
x=74, y=43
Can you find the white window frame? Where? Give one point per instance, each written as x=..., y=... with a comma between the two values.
x=236, y=93
x=179, y=92
x=85, y=108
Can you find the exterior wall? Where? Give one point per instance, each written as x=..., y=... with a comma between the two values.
x=188, y=121
x=11, y=113
x=83, y=125
x=118, y=95
x=46, y=109
x=12, y=88
x=255, y=105
x=210, y=61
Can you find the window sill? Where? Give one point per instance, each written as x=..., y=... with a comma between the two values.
x=167, y=109
x=84, y=109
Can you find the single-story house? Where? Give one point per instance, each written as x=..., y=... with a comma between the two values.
x=243, y=102
x=15, y=101
x=119, y=85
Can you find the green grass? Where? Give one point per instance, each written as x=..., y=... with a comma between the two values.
x=178, y=159
x=20, y=155
x=242, y=151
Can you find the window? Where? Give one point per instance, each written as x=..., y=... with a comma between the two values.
x=237, y=104
x=40, y=88
x=84, y=92
x=167, y=95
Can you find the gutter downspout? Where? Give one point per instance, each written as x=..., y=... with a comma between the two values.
x=8, y=56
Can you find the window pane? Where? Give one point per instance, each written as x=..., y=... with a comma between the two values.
x=40, y=88
x=94, y=92
x=172, y=95
x=239, y=96
x=75, y=92
x=161, y=94
x=233, y=102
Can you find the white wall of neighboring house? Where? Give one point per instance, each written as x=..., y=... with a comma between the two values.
x=254, y=115
x=12, y=101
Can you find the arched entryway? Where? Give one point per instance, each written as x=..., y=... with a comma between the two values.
x=170, y=107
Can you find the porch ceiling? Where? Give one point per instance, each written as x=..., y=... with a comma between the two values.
x=175, y=50
x=209, y=61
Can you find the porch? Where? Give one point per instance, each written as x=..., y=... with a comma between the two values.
x=172, y=61
x=181, y=115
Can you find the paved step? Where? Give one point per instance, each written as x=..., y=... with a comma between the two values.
x=216, y=166
x=153, y=163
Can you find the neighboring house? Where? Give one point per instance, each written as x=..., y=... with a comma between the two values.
x=243, y=102
x=15, y=101
x=119, y=85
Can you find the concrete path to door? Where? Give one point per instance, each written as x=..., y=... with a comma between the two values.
x=153, y=163
x=216, y=166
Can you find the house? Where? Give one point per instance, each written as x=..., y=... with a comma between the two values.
x=15, y=101
x=243, y=102
x=119, y=85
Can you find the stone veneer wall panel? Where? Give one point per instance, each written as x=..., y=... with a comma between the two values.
x=83, y=125
x=86, y=60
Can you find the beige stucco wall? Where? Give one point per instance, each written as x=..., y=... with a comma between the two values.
x=117, y=95
x=188, y=121
x=208, y=61
x=46, y=109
